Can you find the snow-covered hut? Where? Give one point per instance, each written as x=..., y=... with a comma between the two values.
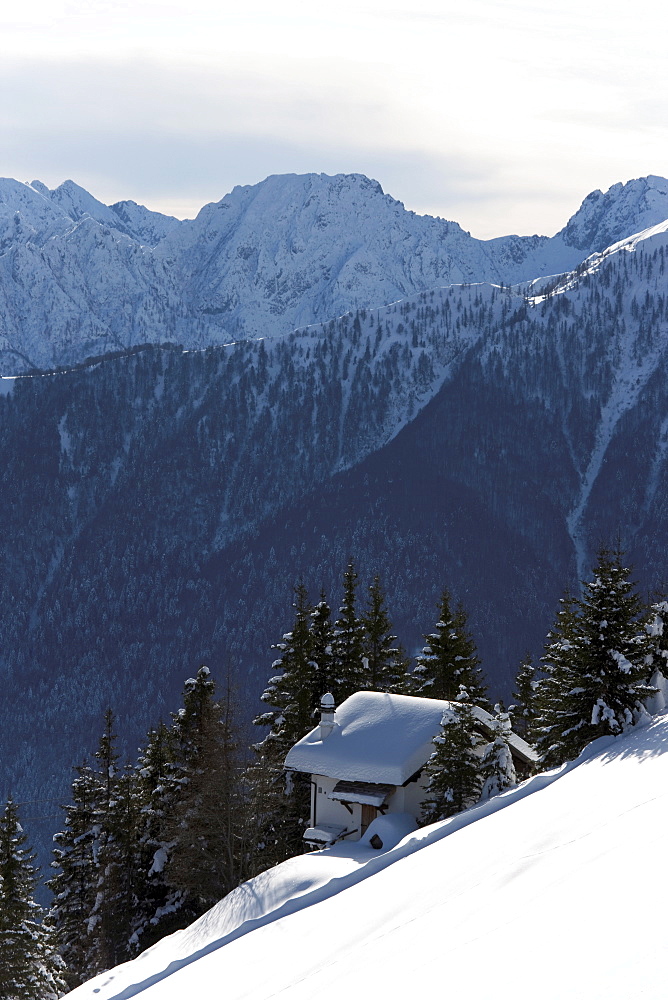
x=367, y=758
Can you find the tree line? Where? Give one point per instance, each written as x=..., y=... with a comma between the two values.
x=148, y=847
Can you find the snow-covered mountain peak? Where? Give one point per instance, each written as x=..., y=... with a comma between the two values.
x=129, y=218
x=12, y=190
x=605, y=218
x=44, y=212
x=314, y=183
x=646, y=240
x=293, y=195
x=40, y=187
x=77, y=202
x=142, y=224
x=27, y=213
x=296, y=249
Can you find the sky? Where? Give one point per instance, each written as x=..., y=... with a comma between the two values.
x=501, y=116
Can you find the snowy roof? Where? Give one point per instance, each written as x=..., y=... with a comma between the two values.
x=381, y=738
x=365, y=792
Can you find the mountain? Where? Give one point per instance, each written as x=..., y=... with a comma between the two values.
x=159, y=506
x=48, y=213
x=79, y=278
x=541, y=891
x=74, y=283
x=604, y=219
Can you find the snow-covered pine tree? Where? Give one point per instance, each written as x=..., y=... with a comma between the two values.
x=449, y=660
x=158, y=905
x=386, y=664
x=321, y=647
x=347, y=642
x=294, y=693
x=74, y=886
x=555, y=712
x=281, y=806
x=657, y=632
x=523, y=711
x=597, y=662
x=276, y=818
x=615, y=640
x=97, y=885
x=30, y=968
x=122, y=878
x=497, y=770
x=453, y=769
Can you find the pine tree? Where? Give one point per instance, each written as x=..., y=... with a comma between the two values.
x=208, y=827
x=385, y=664
x=523, y=710
x=294, y=694
x=96, y=856
x=615, y=641
x=30, y=968
x=321, y=648
x=497, y=770
x=278, y=813
x=347, y=642
x=281, y=804
x=121, y=882
x=108, y=927
x=453, y=769
x=159, y=906
x=449, y=660
x=596, y=664
x=74, y=886
x=555, y=714
x=97, y=859
x=657, y=633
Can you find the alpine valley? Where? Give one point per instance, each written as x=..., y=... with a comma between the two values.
x=197, y=414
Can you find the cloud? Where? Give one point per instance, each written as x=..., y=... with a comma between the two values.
x=178, y=169
x=501, y=117
x=154, y=96
x=147, y=130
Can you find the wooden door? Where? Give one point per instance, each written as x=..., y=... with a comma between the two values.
x=369, y=813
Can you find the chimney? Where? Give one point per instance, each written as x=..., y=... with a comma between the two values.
x=326, y=715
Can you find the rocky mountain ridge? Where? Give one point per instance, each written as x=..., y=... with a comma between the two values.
x=79, y=278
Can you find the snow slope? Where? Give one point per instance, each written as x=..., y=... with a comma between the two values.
x=550, y=890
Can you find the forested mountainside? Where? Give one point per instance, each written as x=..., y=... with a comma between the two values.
x=79, y=278
x=159, y=507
